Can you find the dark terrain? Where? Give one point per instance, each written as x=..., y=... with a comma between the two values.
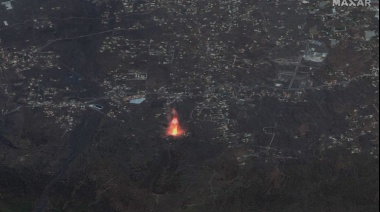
x=309, y=144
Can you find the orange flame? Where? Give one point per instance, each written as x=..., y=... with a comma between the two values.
x=174, y=128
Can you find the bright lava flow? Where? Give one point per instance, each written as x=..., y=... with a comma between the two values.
x=174, y=129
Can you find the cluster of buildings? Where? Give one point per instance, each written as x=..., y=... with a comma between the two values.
x=224, y=54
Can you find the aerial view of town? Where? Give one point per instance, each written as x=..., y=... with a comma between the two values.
x=189, y=105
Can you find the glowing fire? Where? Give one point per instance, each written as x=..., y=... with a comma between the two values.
x=174, y=128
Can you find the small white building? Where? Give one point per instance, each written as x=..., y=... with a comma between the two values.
x=137, y=101
x=369, y=35
x=7, y=4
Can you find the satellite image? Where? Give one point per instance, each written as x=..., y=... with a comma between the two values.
x=189, y=105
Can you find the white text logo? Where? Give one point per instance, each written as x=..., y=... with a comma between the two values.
x=352, y=3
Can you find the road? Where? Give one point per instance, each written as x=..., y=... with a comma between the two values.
x=81, y=137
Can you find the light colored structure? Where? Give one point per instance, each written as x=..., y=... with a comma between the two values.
x=137, y=101
x=7, y=5
x=369, y=35
x=96, y=107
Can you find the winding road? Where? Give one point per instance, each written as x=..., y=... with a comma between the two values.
x=81, y=137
